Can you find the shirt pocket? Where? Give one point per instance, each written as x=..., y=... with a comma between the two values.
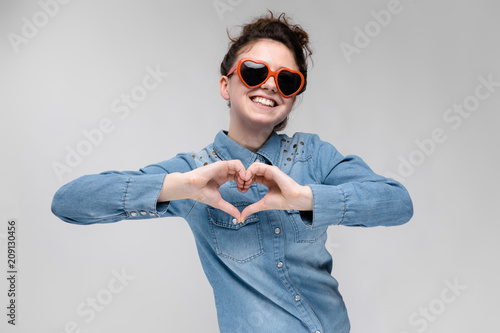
x=304, y=232
x=240, y=242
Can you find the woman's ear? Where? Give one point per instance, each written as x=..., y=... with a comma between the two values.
x=224, y=87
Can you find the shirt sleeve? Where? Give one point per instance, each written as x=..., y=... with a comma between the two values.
x=349, y=193
x=113, y=196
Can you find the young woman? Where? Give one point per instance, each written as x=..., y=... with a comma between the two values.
x=258, y=203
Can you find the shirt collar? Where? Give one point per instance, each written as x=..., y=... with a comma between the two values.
x=227, y=149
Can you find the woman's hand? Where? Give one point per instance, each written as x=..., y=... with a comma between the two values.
x=284, y=193
x=202, y=184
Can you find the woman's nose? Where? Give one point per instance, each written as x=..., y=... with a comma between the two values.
x=270, y=84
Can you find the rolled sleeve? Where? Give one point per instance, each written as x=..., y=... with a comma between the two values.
x=329, y=205
x=141, y=195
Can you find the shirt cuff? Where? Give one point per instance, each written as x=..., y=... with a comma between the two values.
x=141, y=197
x=329, y=205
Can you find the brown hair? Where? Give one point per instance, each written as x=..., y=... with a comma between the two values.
x=275, y=28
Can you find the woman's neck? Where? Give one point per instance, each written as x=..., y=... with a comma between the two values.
x=251, y=140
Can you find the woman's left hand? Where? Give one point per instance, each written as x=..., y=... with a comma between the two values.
x=284, y=193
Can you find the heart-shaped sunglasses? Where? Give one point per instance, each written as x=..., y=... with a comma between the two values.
x=253, y=73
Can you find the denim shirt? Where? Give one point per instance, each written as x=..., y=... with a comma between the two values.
x=271, y=273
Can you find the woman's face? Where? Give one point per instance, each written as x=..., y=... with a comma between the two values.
x=250, y=109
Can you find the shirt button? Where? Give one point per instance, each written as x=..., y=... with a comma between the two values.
x=151, y=214
x=235, y=221
x=317, y=332
x=277, y=231
x=280, y=264
x=297, y=298
x=133, y=214
x=143, y=212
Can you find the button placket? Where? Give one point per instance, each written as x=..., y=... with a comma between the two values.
x=294, y=293
x=278, y=240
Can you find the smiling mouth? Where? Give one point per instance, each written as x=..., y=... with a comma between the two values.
x=263, y=101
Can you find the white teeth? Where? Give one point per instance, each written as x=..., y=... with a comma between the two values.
x=263, y=101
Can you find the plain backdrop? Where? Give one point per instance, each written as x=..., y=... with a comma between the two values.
x=386, y=88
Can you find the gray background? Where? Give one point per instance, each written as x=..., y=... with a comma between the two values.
x=377, y=104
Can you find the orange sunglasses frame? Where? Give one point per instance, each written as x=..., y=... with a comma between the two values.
x=269, y=74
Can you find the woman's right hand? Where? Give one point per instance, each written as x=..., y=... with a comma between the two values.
x=202, y=184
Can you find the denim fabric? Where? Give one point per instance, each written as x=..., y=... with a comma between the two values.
x=271, y=273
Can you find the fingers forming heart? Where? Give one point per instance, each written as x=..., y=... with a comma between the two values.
x=283, y=191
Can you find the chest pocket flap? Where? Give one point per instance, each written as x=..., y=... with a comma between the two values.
x=240, y=242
